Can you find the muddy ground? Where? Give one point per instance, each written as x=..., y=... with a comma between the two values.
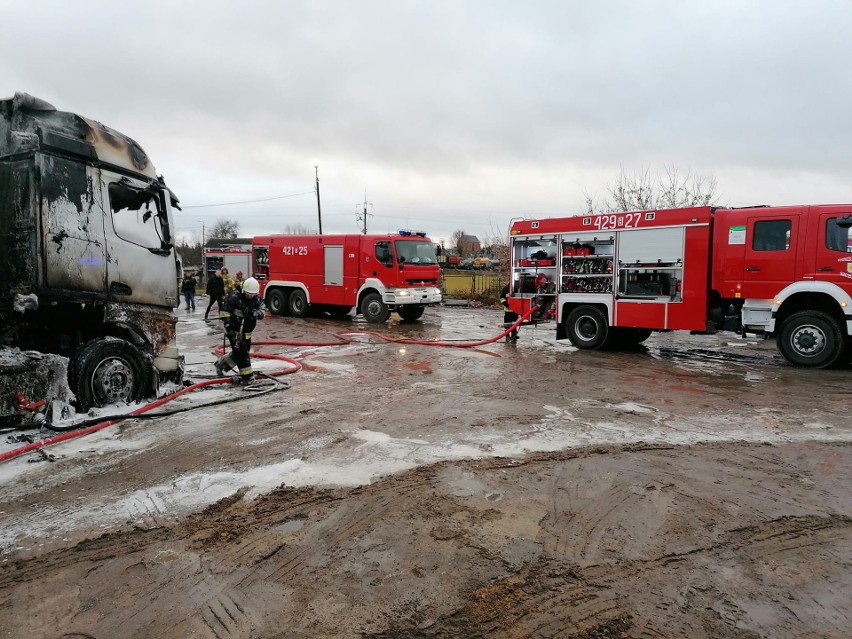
x=695, y=488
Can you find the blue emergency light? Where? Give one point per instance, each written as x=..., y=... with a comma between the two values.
x=410, y=233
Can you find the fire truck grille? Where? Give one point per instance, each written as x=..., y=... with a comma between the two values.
x=422, y=282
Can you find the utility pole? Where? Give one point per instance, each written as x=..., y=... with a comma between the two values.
x=319, y=210
x=364, y=219
x=203, y=261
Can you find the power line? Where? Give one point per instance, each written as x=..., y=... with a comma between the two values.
x=267, y=199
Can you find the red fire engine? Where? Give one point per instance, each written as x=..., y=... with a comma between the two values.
x=334, y=273
x=610, y=280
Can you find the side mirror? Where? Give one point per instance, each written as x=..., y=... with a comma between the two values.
x=401, y=262
x=845, y=222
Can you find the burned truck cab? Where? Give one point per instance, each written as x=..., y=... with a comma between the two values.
x=86, y=239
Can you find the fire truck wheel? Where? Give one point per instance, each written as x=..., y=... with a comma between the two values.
x=276, y=301
x=812, y=339
x=105, y=371
x=410, y=313
x=587, y=327
x=298, y=303
x=374, y=309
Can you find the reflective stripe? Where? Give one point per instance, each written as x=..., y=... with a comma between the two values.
x=238, y=312
x=224, y=314
x=246, y=335
x=246, y=371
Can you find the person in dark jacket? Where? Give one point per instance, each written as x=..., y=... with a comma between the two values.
x=215, y=291
x=187, y=287
x=240, y=312
x=509, y=316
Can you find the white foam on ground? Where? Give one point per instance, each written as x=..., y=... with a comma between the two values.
x=373, y=454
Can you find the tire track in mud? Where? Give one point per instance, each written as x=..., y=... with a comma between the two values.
x=333, y=529
x=553, y=598
x=90, y=551
x=240, y=567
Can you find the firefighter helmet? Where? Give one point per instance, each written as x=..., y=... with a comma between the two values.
x=540, y=280
x=252, y=286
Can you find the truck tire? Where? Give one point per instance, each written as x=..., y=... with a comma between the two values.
x=374, y=309
x=811, y=339
x=276, y=301
x=298, y=303
x=410, y=312
x=105, y=371
x=587, y=328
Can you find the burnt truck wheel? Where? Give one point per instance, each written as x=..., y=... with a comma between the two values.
x=587, y=327
x=106, y=371
x=410, y=312
x=812, y=339
x=374, y=309
x=298, y=303
x=276, y=302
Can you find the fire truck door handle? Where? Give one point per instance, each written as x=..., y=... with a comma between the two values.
x=825, y=269
x=752, y=268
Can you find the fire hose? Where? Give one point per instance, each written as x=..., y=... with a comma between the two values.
x=343, y=338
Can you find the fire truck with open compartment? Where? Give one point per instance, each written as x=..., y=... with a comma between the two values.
x=375, y=274
x=609, y=280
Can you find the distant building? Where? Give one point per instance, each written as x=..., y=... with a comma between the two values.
x=469, y=244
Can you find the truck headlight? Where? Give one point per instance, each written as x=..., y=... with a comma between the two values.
x=403, y=293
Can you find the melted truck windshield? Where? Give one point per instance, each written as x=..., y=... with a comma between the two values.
x=413, y=252
x=138, y=217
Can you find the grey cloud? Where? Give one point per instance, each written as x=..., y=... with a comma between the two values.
x=450, y=94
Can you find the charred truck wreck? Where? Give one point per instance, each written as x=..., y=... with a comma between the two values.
x=88, y=263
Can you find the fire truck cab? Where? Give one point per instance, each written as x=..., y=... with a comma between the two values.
x=610, y=280
x=331, y=274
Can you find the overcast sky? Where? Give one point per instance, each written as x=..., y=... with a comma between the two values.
x=449, y=114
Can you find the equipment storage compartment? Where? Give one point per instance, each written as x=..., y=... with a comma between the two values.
x=650, y=263
x=586, y=264
x=534, y=264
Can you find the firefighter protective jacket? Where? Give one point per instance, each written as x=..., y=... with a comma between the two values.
x=240, y=314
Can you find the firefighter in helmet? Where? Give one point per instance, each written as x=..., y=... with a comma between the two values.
x=240, y=312
x=509, y=316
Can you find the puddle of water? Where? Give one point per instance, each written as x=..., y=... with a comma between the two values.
x=293, y=525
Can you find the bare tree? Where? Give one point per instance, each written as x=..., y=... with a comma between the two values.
x=225, y=229
x=297, y=229
x=678, y=191
x=496, y=244
x=456, y=242
x=641, y=192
